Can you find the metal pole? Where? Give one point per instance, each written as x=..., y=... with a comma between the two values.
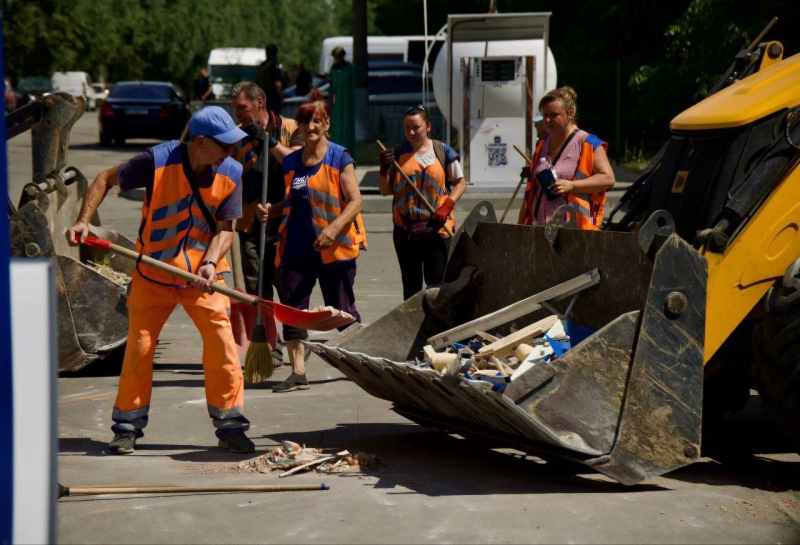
x=425, y=66
x=546, y=50
x=618, y=112
x=449, y=79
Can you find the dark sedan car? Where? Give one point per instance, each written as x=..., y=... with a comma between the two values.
x=143, y=109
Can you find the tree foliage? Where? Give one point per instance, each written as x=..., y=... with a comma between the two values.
x=668, y=53
x=161, y=39
x=664, y=55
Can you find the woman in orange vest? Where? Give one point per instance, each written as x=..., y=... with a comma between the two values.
x=321, y=231
x=570, y=166
x=420, y=240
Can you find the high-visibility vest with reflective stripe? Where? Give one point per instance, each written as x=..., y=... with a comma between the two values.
x=245, y=153
x=407, y=208
x=589, y=206
x=173, y=229
x=327, y=202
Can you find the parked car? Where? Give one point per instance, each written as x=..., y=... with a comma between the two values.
x=101, y=91
x=78, y=84
x=10, y=96
x=143, y=109
x=32, y=87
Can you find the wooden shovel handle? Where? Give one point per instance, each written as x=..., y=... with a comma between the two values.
x=413, y=187
x=519, y=185
x=106, y=246
x=145, y=489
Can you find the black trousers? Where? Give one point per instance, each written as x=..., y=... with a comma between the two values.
x=420, y=258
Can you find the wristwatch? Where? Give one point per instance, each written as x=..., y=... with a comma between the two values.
x=208, y=263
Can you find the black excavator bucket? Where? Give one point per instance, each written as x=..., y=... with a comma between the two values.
x=625, y=401
x=90, y=286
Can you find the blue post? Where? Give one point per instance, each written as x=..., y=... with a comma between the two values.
x=6, y=391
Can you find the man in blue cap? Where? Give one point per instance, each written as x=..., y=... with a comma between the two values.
x=192, y=195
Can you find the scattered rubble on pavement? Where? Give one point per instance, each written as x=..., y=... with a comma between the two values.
x=291, y=458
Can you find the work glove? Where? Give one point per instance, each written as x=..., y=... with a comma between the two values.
x=386, y=161
x=257, y=134
x=526, y=172
x=439, y=218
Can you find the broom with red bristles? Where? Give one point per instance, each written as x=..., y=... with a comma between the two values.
x=258, y=362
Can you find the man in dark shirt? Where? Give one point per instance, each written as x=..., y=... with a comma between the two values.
x=282, y=137
x=202, y=86
x=303, y=81
x=271, y=80
x=183, y=183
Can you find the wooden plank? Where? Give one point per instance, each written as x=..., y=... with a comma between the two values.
x=517, y=310
x=507, y=344
x=486, y=337
x=312, y=463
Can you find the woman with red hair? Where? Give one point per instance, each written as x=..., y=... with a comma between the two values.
x=321, y=231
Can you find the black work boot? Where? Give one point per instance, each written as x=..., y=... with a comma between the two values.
x=294, y=382
x=237, y=443
x=122, y=443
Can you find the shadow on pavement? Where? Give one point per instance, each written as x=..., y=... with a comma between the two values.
x=270, y=384
x=437, y=464
x=738, y=447
x=198, y=453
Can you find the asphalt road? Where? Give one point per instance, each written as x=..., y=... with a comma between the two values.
x=430, y=487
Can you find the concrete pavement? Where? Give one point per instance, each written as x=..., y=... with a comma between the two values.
x=431, y=487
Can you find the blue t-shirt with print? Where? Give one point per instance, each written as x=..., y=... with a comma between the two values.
x=301, y=231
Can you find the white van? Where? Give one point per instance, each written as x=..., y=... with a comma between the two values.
x=379, y=48
x=78, y=84
x=227, y=66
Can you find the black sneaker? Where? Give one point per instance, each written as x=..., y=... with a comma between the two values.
x=122, y=443
x=294, y=382
x=238, y=443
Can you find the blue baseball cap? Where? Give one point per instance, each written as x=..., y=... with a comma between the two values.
x=215, y=122
x=538, y=118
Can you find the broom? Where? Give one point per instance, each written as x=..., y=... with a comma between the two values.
x=258, y=363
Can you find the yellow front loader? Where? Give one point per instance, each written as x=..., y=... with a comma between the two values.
x=694, y=298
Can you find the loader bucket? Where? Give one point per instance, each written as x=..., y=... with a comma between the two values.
x=90, y=286
x=625, y=401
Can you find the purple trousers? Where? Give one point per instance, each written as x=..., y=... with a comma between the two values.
x=300, y=274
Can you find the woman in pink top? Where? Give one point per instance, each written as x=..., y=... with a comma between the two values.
x=582, y=170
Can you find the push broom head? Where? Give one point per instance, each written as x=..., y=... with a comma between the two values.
x=258, y=363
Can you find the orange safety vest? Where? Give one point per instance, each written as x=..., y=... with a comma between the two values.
x=590, y=206
x=431, y=182
x=327, y=203
x=173, y=229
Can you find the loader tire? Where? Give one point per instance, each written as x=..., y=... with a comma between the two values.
x=776, y=370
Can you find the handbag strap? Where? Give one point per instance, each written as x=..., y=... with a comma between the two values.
x=558, y=156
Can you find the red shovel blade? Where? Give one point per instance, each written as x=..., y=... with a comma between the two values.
x=317, y=320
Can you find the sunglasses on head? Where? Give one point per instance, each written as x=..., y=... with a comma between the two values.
x=416, y=108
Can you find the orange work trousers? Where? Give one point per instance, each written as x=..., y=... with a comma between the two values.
x=149, y=306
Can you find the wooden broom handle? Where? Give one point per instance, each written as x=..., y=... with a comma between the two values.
x=104, y=245
x=93, y=491
x=413, y=187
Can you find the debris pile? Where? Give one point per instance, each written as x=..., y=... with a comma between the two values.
x=496, y=361
x=294, y=458
x=104, y=269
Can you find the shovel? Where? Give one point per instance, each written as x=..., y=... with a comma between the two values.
x=318, y=320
